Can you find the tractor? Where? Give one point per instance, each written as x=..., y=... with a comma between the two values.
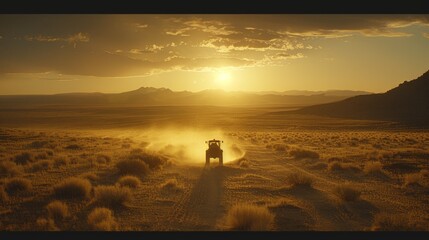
x=214, y=151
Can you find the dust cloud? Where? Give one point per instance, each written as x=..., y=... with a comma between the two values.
x=185, y=145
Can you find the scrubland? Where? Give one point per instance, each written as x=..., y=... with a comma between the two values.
x=272, y=179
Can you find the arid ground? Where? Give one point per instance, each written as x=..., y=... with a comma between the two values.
x=132, y=168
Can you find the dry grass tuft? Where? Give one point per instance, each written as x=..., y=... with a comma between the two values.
x=129, y=181
x=57, y=210
x=102, y=219
x=152, y=160
x=15, y=185
x=73, y=188
x=338, y=167
x=302, y=153
x=73, y=147
x=38, y=144
x=90, y=176
x=46, y=224
x=112, y=196
x=347, y=192
x=298, y=179
x=42, y=165
x=412, y=179
x=373, y=168
x=60, y=161
x=132, y=167
x=23, y=158
x=396, y=222
x=171, y=185
x=247, y=217
x=9, y=169
x=103, y=159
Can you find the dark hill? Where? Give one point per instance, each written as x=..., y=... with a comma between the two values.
x=407, y=103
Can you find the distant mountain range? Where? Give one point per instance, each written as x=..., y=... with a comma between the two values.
x=149, y=96
x=408, y=103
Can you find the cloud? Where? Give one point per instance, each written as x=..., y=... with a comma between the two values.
x=81, y=62
x=139, y=25
x=71, y=39
x=129, y=45
x=330, y=26
x=148, y=49
x=245, y=44
x=187, y=26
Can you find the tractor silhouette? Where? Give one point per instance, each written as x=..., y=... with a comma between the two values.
x=214, y=151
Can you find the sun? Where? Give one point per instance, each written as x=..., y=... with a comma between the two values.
x=224, y=76
x=223, y=79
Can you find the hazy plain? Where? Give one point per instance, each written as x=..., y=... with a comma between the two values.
x=142, y=168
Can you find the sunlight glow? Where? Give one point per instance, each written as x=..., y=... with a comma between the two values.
x=223, y=78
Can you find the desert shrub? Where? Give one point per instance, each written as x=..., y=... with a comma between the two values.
x=338, y=167
x=73, y=188
x=112, y=196
x=302, y=153
x=247, y=217
x=335, y=166
x=102, y=219
x=46, y=224
x=347, y=192
x=23, y=158
x=299, y=179
x=73, y=147
x=412, y=179
x=103, y=159
x=16, y=184
x=90, y=176
x=396, y=222
x=3, y=195
x=152, y=160
x=171, y=185
x=132, y=167
x=50, y=153
x=129, y=181
x=9, y=169
x=38, y=144
x=60, y=161
x=41, y=165
x=373, y=167
x=57, y=210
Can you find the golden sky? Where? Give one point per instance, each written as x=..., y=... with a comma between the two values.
x=41, y=54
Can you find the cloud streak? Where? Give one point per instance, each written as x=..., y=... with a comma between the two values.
x=120, y=46
x=71, y=39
